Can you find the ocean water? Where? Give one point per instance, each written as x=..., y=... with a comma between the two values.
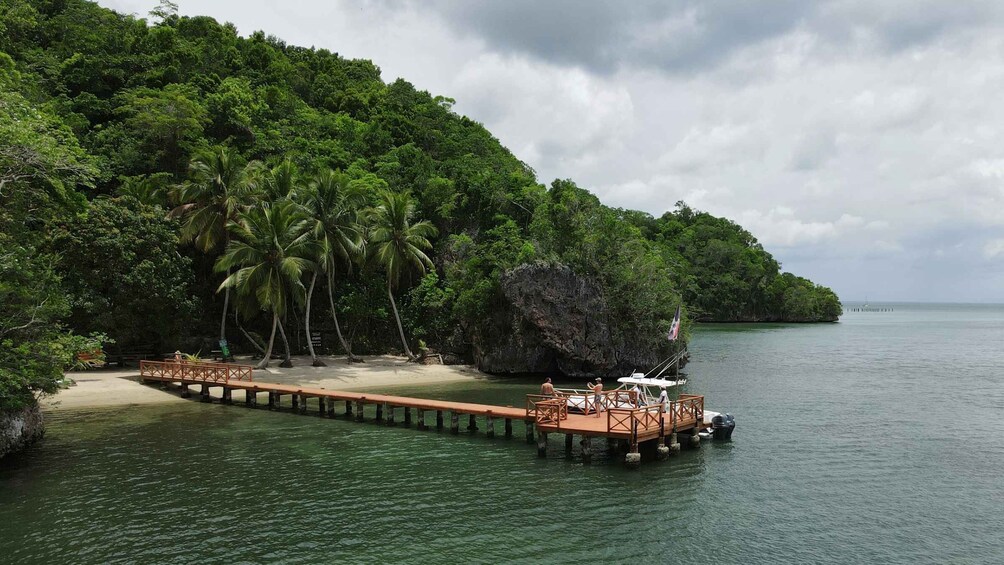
x=878, y=439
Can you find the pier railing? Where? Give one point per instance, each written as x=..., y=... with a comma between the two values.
x=688, y=406
x=631, y=420
x=195, y=371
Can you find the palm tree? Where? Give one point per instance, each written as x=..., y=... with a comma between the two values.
x=397, y=245
x=333, y=206
x=220, y=188
x=272, y=249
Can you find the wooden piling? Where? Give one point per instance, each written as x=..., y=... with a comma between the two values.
x=320, y=406
x=228, y=395
x=407, y=416
x=420, y=414
x=490, y=424
x=439, y=419
x=359, y=411
x=348, y=409
x=296, y=402
x=529, y=432
x=587, y=449
x=331, y=408
x=379, y=412
x=542, y=445
x=185, y=393
x=303, y=404
x=454, y=422
x=205, y=393
x=390, y=414
x=508, y=427
x=472, y=423
x=249, y=398
x=271, y=400
x=568, y=444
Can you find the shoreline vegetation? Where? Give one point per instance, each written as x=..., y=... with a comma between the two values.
x=166, y=183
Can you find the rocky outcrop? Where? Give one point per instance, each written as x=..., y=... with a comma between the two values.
x=554, y=321
x=19, y=428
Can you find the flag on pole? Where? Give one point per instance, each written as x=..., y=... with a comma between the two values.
x=674, y=328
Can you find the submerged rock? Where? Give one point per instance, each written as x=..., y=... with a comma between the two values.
x=19, y=429
x=554, y=320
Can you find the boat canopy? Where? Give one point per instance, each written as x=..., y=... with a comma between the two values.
x=641, y=379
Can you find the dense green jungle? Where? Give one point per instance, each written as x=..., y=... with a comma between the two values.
x=165, y=182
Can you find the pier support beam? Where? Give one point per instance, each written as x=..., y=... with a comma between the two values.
x=271, y=400
x=472, y=424
x=185, y=393
x=420, y=414
x=454, y=423
x=569, y=438
x=359, y=410
x=439, y=419
x=390, y=414
x=379, y=413
x=228, y=395
x=542, y=445
x=320, y=406
x=205, y=393
x=508, y=427
x=331, y=408
x=673, y=444
x=529, y=432
x=296, y=402
x=407, y=416
x=632, y=460
x=587, y=449
x=490, y=424
x=661, y=452
x=249, y=397
x=692, y=440
x=348, y=409
x=303, y=404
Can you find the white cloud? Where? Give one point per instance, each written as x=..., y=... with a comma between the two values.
x=855, y=139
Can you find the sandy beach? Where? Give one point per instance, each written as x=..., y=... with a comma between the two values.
x=122, y=386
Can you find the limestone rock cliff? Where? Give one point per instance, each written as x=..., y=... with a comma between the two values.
x=555, y=321
x=19, y=428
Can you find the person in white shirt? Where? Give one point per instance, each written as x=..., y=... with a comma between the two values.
x=663, y=398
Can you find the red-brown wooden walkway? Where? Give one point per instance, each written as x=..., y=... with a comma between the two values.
x=548, y=414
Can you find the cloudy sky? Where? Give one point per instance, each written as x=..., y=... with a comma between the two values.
x=862, y=142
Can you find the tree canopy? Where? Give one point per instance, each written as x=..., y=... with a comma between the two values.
x=109, y=120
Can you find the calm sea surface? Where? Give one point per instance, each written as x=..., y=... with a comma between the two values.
x=879, y=439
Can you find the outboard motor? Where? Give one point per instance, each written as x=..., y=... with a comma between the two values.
x=722, y=426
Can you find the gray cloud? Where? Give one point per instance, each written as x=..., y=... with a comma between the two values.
x=860, y=141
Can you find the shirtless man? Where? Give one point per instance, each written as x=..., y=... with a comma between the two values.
x=547, y=389
x=597, y=395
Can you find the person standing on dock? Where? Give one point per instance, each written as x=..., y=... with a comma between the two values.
x=547, y=389
x=177, y=357
x=663, y=398
x=597, y=395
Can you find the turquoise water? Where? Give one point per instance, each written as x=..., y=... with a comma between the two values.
x=879, y=439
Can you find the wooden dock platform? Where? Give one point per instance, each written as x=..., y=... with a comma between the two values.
x=628, y=426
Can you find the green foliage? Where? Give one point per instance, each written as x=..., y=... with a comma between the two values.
x=267, y=150
x=120, y=265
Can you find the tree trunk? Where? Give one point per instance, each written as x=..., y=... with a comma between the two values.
x=314, y=361
x=247, y=336
x=271, y=341
x=338, y=328
x=287, y=362
x=226, y=306
x=400, y=329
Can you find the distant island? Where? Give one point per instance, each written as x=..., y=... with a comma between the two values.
x=166, y=183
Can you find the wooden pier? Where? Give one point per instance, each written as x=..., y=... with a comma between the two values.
x=624, y=428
